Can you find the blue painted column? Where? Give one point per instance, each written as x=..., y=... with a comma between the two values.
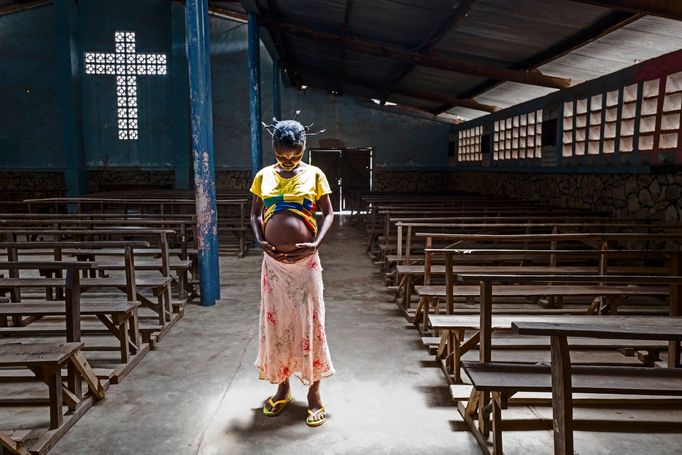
x=199, y=59
x=276, y=89
x=68, y=58
x=254, y=95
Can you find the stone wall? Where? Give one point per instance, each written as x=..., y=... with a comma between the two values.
x=409, y=181
x=16, y=186
x=129, y=179
x=624, y=195
x=232, y=180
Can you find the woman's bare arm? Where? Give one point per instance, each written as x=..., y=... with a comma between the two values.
x=325, y=204
x=327, y=209
x=257, y=227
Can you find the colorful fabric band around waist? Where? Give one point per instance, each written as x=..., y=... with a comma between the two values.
x=305, y=208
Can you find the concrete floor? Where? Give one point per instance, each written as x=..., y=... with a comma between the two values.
x=198, y=393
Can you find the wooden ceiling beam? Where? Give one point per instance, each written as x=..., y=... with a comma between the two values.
x=394, y=53
x=337, y=79
x=20, y=7
x=455, y=17
x=671, y=9
x=345, y=30
x=280, y=41
x=603, y=27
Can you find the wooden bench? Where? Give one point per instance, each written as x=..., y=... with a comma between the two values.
x=482, y=398
x=231, y=213
x=453, y=342
x=160, y=286
x=563, y=379
x=118, y=317
x=408, y=273
x=46, y=360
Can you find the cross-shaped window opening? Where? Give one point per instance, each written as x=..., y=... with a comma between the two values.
x=126, y=65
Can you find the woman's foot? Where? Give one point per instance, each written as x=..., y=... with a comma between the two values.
x=275, y=404
x=316, y=413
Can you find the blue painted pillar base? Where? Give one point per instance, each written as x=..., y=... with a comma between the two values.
x=199, y=59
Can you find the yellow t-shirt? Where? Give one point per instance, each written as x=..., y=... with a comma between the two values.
x=298, y=194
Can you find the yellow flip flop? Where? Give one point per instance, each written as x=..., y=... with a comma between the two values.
x=312, y=415
x=273, y=405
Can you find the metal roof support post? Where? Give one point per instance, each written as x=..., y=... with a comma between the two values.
x=254, y=94
x=199, y=59
x=276, y=89
x=75, y=175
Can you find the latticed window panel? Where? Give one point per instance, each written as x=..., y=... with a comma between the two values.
x=469, y=145
x=126, y=65
x=518, y=137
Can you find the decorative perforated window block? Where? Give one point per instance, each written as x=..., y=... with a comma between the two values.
x=126, y=65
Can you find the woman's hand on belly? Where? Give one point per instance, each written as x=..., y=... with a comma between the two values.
x=301, y=252
x=271, y=250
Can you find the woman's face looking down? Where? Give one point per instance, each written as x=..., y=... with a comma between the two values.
x=288, y=159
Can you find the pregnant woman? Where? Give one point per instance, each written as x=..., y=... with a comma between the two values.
x=291, y=328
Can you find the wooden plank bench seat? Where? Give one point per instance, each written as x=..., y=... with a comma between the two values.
x=46, y=361
x=563, y=379
x=454, y=342
x=539, y=290
x=158, y=286
x=407, y=273
x=118, y=317
x=504, y=380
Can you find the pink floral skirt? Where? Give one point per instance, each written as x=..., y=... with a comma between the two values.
x=292, y=340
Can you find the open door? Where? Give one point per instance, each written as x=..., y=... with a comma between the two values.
x=349, y=172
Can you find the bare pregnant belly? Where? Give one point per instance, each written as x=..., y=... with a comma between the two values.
x=285, y=229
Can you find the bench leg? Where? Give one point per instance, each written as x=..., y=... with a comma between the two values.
x=426, y=309
x=407, y=291
x=562, y=406
x=54, y=384
x=123, y=337
x=497, y=424
x=182, y=285
x=134, y=328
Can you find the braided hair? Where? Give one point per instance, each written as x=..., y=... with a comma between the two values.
x=288, y=135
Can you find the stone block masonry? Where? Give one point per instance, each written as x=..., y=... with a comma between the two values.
x=232, y=180
x=129, y=179
x=16, y=186
x=409, y=181
x=655, y=196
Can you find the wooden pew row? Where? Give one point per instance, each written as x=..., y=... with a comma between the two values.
x=231, y=215
x=564, y=378
x=609, y=298
x=407, y=255
x=427, y=222
x=588, y=261
x=477, y=408
x=46, y=361
x=160, y=301
x=406, y=241
x=489, y=213
x=183, y=258
x=375, y=220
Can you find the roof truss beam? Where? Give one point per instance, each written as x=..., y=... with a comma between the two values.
x=453, y=20
x=606, y=25
x=345, y=30
x=394, y=53
x=336, y=80
x=672, y=9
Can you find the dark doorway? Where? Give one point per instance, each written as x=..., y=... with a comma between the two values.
x=349, y=172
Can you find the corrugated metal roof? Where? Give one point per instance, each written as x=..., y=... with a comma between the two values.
x=644, y=39
x=496, y=33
